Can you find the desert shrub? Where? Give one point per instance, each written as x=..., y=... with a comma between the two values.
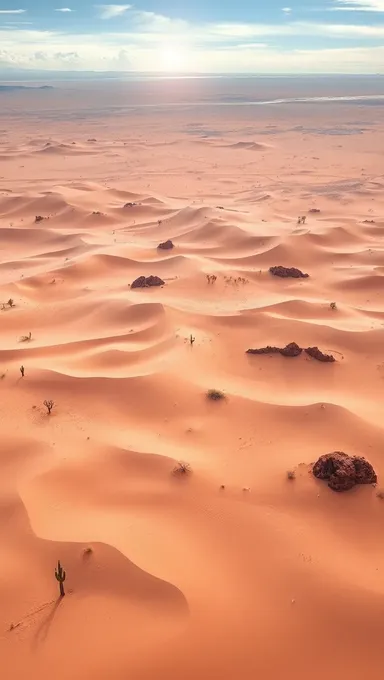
x=215, y=395
x=49, y=404
x=182, y=468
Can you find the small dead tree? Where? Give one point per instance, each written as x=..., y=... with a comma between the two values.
x=49, y=404
x=182, y=468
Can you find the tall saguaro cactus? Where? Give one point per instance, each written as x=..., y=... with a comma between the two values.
x=60, y=577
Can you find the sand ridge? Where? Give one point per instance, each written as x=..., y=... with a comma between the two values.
x=231, y=570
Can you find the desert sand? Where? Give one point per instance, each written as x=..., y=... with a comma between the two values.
x=231, y=570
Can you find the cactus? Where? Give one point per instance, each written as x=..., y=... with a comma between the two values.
x=60, y=577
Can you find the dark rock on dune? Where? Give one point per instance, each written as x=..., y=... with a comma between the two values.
x=264, y=350
x=314, y=210
x=130, y=205
x=147, y=281
x=288, y=272
x=154, y=281
x=290, y=350
x=315, y=353
x=166, y=245
x=368, y=221
x=343, y=472
x=138, y=283
x=39, y=218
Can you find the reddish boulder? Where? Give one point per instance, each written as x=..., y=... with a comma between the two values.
x=138, y=283
x=147, y=281
x=285, y=272
x=342, y=471
x=166, y=245
x=315, y=353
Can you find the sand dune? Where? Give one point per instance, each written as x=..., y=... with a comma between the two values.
x=230, y=570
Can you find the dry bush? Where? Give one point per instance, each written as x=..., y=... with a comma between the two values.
x=182, y=468
x=291, y=474
x=215, y=395
x=49, y=404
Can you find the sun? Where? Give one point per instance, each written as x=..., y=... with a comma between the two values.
x=172, y=59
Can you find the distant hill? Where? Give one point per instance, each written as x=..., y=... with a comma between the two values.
x=12, y=88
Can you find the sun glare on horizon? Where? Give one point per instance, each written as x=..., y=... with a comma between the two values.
x=173, y=59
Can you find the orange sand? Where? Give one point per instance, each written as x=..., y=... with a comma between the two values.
x=264, y=579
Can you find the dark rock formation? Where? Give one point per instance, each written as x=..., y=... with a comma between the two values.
x=342, y=471
x=286, y=272
x=314, y=210
x=130, y=205
x=166, y=245
x=290, y=350
x=315, y=353
x=39, y=218
x=147, y=281
x=368, y=221
x=264, y=350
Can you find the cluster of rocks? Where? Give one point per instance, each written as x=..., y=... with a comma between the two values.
x=293, y=350
x=342, y=472
x=147, y=282
x=288, y=272
x=290, y=350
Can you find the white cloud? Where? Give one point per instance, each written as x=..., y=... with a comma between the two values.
x=111, y=11
x=12, y=11
x=359, y=5
x=153, y=42
x=64, y=9
x=286, y=10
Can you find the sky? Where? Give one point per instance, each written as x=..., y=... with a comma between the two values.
x=203, y=36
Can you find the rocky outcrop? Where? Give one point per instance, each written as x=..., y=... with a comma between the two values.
x=290, y=350
x=314, y=210
x=293, y=350
x=316, y=353
x=264, y=350
x=343, y=471
x=288, y=272
x=147, y=281
x=166, y=245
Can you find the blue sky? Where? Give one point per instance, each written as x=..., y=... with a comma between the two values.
x=215, y=36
